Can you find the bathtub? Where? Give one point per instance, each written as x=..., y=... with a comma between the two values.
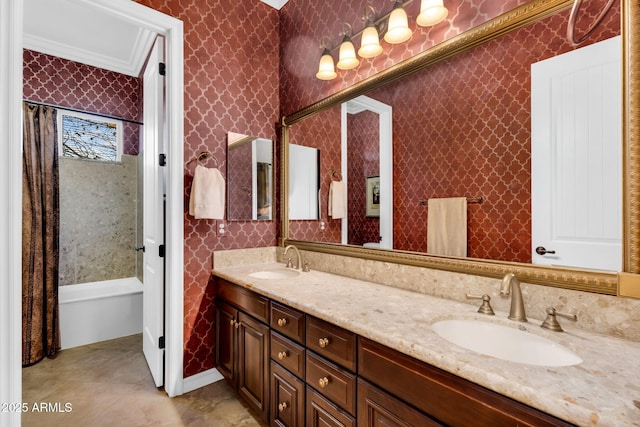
x=99, y=311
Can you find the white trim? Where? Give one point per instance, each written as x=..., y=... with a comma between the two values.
x=11, y=191
x=89, y=117
x=11, y=12
x=202, y=379
x=277, y=4
x=384, y=111
x=172, y=30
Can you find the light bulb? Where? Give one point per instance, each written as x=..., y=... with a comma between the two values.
x=370, y=43
x=432, y=12
x=326, y=70
x=398, y=29
x=347, y=59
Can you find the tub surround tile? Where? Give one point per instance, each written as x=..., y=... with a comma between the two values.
x=398, y=313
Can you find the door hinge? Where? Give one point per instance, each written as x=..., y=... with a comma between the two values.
x=162, y=69
x=162, y=159
x=161, y=251
x=161, y=343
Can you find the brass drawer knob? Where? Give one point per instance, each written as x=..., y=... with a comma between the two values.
x=282, y=355
x=282, y=322
x=323, y=382
x=282, y=406
x=323, y=342
x=232, y=322
x=237, y=324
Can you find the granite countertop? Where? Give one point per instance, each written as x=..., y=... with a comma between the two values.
x=603, y=390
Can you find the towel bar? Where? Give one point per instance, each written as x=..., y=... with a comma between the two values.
x=478, y=199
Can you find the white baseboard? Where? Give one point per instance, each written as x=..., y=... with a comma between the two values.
x=200, y=380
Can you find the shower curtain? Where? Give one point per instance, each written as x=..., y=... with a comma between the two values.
x=40, y=225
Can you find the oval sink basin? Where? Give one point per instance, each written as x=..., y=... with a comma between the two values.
x=505, y=343
x=275, y=273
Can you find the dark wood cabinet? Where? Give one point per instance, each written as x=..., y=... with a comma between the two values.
x=226, y=342
x=287, y=398
x=323, y=413
x=379, y=409
x=242, y=350
x=253, y=363
x=450, y=399
x=297, y=370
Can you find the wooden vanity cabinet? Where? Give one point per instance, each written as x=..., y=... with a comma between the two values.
x=242, y=350
x=447, y=398
x=288, y=366
x=379, y=409
x=296, y=370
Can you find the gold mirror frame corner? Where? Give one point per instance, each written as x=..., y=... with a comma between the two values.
x=566, y=278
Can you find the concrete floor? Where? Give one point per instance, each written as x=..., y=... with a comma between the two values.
x=109, y=384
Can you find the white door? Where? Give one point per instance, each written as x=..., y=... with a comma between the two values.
x=153, y=216
x=576, y=183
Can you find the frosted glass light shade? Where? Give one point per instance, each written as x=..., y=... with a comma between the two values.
x=398, y=30
x=432, y=12
x=326, y=70
x=370, y=43
x=347, y=59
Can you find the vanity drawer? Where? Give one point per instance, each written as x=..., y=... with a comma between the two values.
x=332, y=382
x=332, y=342
x=452, y=400
x=287, y=353
x=249, y=302
x=288, y=321
x=322, y=413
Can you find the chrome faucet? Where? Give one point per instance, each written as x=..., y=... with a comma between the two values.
x=300, y=263
x=511, y=285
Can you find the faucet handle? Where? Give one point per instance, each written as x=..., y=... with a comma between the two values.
x=289, y=263
x=551, y=322
x=305, y=266
x=485, y=308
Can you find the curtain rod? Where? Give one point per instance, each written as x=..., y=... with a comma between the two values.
x=91, y=113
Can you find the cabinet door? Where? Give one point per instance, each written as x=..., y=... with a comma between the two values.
x=226, y=342
x=379, y=409
x=323, y=413
x=253, y=363
x=287, y=398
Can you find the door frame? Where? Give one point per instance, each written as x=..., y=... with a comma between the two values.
x=11, y=82
x=385, y=130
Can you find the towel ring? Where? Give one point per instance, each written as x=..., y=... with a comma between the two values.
x=335, y=174
x=571, y=25
x=204, y=155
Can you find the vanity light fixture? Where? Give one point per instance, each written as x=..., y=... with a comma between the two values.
x=326, y=70
x=398, y=28
x=347, y=59
x=393, y=26
x=370, y=43
x=432, y=12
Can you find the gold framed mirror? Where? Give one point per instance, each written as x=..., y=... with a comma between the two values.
x=570, y=278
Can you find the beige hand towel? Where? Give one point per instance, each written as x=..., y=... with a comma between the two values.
x=447, y=226
x=207, y=194
x=337, y=200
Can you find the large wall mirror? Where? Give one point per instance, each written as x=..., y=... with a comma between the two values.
x=249, y=177
x=464, y=126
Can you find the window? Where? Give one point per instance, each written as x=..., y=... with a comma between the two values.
x=84, y=136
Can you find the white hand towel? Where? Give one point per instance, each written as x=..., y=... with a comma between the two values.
x=337, y=200
x=207, y=194
x=447, y=226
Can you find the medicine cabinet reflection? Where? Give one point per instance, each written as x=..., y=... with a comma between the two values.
x=249, y=177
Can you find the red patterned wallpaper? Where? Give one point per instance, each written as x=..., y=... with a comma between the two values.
x=240, y=181
x=320, y=131
x=363, y=148
x=52, y=80
x=487, y=138
x=231, y=62
x=303, y=24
